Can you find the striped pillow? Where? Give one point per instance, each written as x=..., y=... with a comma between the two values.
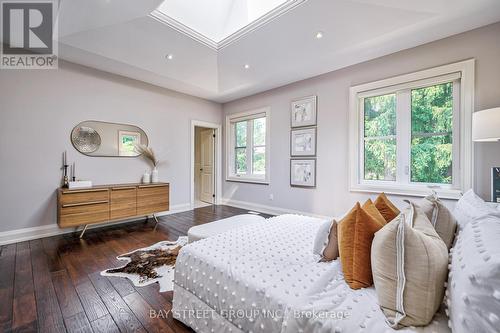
x=409, y=265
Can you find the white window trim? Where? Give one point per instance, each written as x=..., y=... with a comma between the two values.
x=230, y=144
x=465, y=168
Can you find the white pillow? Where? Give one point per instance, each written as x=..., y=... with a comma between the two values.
x=321, y=239
x=473, y=292
x=470, y=206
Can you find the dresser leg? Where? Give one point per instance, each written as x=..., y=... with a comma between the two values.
x=156, y=220
x=83, y=231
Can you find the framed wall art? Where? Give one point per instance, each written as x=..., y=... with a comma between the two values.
x=303, y=112
x=303, y=172
x=303, y=142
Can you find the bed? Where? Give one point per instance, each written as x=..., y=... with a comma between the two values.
x=265, y=278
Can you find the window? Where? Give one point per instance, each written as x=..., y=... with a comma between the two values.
x=248, y=146
x=411, y=134
x=380, y=137
x=432, y=133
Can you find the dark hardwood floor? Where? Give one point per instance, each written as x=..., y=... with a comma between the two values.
x=53, y=284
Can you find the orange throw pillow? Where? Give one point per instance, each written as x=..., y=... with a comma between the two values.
x=386, y=207
x=355, y=235
x=370, y=208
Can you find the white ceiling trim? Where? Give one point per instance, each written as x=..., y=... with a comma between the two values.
x=184, y=29
x=261, y=21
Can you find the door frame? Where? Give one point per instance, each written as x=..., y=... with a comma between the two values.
x=217, y=157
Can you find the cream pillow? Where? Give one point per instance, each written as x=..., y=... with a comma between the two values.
x=331, y=251
x=325, y=242
x=441, y=218
x=409, y=265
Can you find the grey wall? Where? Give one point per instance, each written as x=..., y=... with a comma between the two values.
x=332, y=197
x=38, y=110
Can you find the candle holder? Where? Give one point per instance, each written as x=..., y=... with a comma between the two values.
x=73, y=172
x=65, y=182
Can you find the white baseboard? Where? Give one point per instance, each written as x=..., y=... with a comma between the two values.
x=176, y=209
x=26, y=234
x=268, y=209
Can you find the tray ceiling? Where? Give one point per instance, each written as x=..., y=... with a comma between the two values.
x=236, y=48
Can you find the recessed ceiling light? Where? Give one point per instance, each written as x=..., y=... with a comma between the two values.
x=170, y=56
x=247, y=66
x=319, y=35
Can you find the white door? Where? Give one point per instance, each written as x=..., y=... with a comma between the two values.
x=207, y=190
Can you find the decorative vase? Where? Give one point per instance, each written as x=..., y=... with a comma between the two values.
x=154, y=175
x=146, y=178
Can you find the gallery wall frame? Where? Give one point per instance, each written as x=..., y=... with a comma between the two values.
x=303, y=142
x=303, y=173
x=303, y=112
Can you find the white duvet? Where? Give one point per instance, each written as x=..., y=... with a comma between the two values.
x=265, y=278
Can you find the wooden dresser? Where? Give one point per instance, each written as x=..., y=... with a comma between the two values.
x=110, y=203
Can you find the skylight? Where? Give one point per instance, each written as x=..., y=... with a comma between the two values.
x=217, y=19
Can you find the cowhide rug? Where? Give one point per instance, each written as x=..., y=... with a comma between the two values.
x=148, y=265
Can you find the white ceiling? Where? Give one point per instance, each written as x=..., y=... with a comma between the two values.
x=120, y=36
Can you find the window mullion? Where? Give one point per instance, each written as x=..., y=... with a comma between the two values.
x=403, y=134
x=456, y=144
x=249, y=147
x=233, y=151
x=361, y=138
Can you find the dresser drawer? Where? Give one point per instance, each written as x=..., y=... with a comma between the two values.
x=107, y=203
x=152, y=199
x=123, y=202
x=82, y=196
x=83, y=213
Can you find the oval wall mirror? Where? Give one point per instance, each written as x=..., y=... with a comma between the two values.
x=99, y=138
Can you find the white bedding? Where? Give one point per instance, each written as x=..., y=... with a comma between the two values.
x=265, y=278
